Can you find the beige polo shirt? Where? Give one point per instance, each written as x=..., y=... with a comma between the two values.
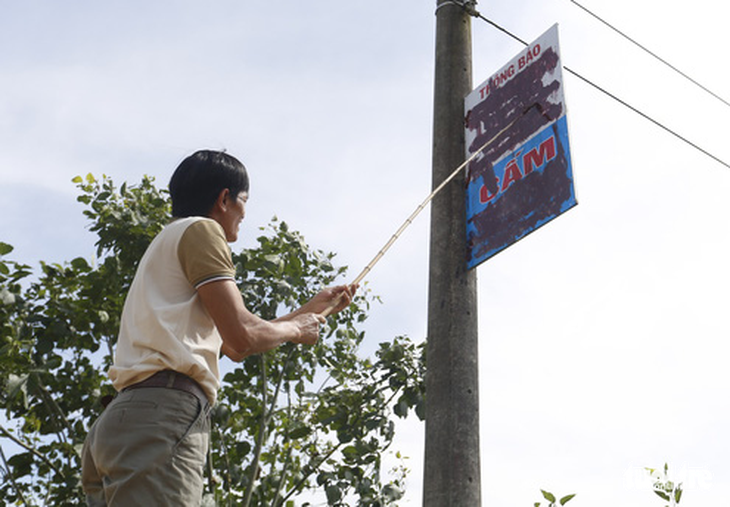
x=164, y=324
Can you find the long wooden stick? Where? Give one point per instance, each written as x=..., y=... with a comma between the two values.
x=420, y=208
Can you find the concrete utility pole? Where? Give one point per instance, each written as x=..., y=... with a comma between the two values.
x=451, y=468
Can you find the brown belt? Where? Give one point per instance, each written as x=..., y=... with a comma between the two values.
x=173, y=380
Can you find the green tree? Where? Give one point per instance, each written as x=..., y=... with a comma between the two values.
x=292, y=420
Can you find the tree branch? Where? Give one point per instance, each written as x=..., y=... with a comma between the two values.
x=270, y=413
x=27, y=447
x=49, y=399
x=12, y=479
x=287, y=459
x=313, y=469
x=224, y=450
x=261, y=436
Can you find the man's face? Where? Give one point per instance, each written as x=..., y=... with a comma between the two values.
x=235, y=212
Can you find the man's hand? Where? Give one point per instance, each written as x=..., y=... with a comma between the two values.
x=331, y=300
x=308, y=324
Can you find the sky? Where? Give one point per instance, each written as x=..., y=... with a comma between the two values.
x=602, y=335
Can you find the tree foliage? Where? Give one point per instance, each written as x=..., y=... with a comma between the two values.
x=665, y=488
x=553, y=499
x=293, y=420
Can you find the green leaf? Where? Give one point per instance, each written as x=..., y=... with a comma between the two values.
x=300, y=432
x=21, y=462
x=18, y=384
x=566, y=499
x=334, y=494
x=401, y=408
x=5, y=248
x=392, y=492
x=323, y=478
x=80, y=264
x=662, y=495
x=548, y=496
x=350, y=452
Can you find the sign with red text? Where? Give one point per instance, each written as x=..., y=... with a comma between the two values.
x=523, y=177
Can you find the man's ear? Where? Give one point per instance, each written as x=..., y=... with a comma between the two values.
x=222, y=201
x=221, y=204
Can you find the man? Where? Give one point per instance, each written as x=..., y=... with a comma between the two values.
x=183, y=309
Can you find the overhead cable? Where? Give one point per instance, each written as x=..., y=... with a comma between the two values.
x=646, y=116
x=469, y=8
x=662, y=60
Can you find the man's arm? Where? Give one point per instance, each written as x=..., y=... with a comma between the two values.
x=244, y=333
x=331, y=300
x=232, y=354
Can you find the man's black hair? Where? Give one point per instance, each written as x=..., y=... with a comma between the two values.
x=199, y=179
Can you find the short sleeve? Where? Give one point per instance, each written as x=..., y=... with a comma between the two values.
x=204, y=253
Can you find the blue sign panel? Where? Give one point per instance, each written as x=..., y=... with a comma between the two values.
x=521, y=192
x=522, y=177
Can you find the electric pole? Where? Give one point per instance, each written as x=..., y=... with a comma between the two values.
x=451, y=468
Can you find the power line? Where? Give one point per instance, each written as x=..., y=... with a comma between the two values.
x=470, y=8
x=646, y=116
x=662, y=60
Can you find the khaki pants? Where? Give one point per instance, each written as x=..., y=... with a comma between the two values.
x=148, y=448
